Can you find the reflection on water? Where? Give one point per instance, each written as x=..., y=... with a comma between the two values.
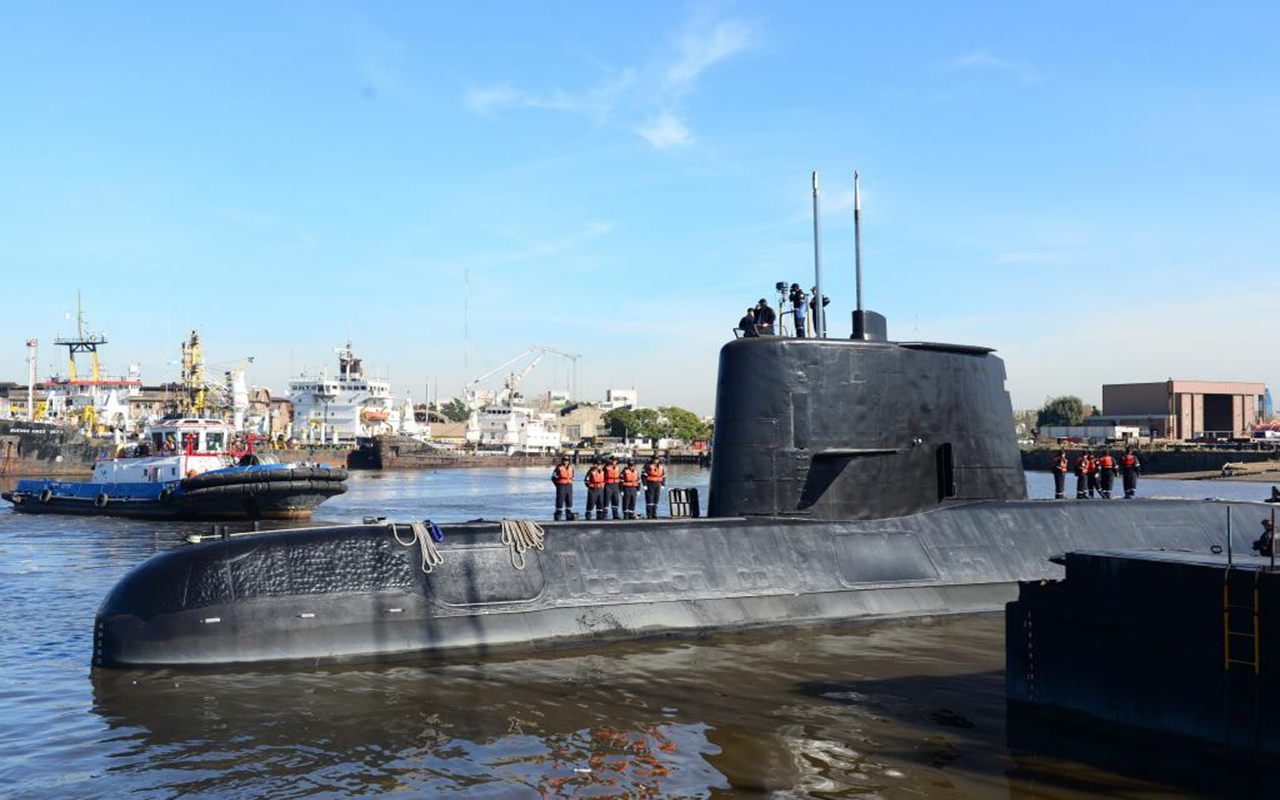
x=896, y=710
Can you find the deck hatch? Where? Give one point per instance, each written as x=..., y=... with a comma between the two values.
x=882, y=558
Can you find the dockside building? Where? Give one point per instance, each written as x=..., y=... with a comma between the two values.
x=1186, y=409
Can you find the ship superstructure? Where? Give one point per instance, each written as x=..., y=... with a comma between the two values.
x=339, y=409
x=95, y=402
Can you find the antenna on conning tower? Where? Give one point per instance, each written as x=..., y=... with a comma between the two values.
x=867, y=325
x=857, y=237
x=818, y=326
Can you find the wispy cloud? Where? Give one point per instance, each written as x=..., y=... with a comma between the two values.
x=701, y=48
x=665, y=130
x=645, y=100
x=985, y=59
x=542, y=248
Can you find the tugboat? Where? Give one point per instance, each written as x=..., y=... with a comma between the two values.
x=185, y=469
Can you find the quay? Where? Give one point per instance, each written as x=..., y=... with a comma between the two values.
x=1172, y=461
x=1170, y=643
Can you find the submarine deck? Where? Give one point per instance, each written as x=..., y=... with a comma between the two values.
x=355, y=592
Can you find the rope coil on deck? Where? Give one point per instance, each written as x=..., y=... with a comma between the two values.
x=520, y=535
x=425, y=535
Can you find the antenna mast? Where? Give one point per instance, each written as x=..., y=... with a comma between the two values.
x=857, y=236
x=818, y=327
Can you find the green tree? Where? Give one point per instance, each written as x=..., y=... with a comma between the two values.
x=684, y=424
x=652, y=425
x=455, y=410
x=622, y=422
x=1065, y=410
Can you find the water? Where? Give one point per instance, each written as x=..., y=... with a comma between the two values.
x=894, y=710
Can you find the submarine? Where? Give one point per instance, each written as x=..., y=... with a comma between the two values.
x=852, y=480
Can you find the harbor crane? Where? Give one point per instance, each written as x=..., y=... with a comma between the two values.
x=476, y=398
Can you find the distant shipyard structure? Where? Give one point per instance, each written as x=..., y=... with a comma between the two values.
x=341, y=409
x=1186, y=410
x=503, y=421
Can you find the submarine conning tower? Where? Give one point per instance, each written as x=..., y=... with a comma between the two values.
x=860, y=428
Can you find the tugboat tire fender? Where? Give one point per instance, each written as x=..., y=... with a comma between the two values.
x=101, y=500
x=46, y=495
x=166, y=493
x=291, y=475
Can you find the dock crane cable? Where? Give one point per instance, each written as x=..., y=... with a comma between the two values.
x=425, y=534
x=520, y=535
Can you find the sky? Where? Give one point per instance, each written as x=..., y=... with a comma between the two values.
x=1088, y=188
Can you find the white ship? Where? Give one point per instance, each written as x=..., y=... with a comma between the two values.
x=329, y=409
x=512, y=429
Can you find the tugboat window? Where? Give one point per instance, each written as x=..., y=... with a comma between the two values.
x=213, y=441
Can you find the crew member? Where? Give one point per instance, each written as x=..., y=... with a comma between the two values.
x=1082, y=476
x=1106, y=474
x=764, y=318
x=813, y=308
x=654, y=478
x=630, y=486
x=1061, y=466
x=1091, y=469
x=562, y=477
x=1129, y=468
x=1266, y=543
x=595, y=491
x=748, y=323
x=612, y=481
x=798, y=306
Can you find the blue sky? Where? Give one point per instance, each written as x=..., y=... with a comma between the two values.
x=1091, y=190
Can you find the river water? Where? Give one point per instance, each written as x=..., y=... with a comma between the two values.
x=901, y=710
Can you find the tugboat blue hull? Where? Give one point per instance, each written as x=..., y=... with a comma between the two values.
x=357, y=593
x=232, y=494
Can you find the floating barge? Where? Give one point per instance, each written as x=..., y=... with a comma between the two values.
x=1180, y=644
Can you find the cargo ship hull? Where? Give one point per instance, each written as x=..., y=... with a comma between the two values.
x=41, y=449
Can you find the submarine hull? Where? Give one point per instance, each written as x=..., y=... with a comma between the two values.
x=347, y=593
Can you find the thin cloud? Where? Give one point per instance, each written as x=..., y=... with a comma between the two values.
x=644, y=100
x=985, y=59
x=665, y=130
x=703, y=48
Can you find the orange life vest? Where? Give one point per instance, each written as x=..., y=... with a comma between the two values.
x=1082, y=465
x=595, y=478
x=612, y=474
x=1129, y=460
x=630, y=477
x=1061, y=464
x=654, y=474
x=563, y=475
x=1106, y=462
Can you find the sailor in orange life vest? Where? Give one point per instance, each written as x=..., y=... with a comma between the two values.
x=654, y=477
x=1129, y=468
x=1082, y=475
x=1106, y=474
x=1061, y=466
x=612, y=484
x=562, y=477
x=595, y=491
x=630, y=487
x=1092, y=472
